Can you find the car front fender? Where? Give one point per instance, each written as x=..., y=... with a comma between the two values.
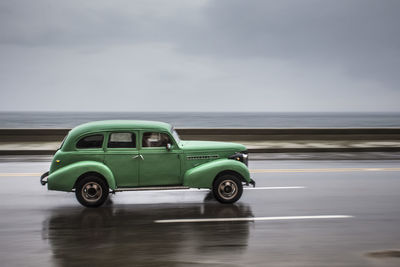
x=64, y=179
x=203, y=175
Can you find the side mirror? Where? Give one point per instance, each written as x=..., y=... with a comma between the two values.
x=169, y=146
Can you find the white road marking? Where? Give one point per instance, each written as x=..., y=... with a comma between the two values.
x=251, y=219
x=244, y=188
x=274, y=187
x=174, y=190
x=324, y=170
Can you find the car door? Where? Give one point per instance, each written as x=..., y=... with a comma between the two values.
x=158, y=165
x=122, y=157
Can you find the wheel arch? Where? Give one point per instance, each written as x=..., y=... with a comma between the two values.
x=65, y=179
x=90, y=173
x=231, y=172
x=203, y=176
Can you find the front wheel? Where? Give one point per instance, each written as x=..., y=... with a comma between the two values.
x=91, y=191
x=228, y=188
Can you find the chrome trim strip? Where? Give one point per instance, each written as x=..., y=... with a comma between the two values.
x=202, y=157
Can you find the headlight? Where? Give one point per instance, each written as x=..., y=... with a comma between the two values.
x=241, y=156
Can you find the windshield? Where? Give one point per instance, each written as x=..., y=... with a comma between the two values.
x=175, y=135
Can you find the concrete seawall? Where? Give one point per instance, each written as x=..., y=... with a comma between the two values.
x=265, y=140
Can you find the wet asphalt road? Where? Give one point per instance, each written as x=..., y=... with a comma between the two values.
x=45, y=228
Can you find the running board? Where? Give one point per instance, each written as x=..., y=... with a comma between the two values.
x=148, y=188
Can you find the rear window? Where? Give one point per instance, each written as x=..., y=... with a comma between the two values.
x=91, y=141
x=122, y=140
x=63, y=141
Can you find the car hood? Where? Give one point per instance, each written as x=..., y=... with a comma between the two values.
x=211, y=146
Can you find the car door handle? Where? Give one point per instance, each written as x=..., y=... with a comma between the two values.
x=136, y=156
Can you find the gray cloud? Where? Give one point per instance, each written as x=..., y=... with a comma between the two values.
x=362, y=37
x=304, y=55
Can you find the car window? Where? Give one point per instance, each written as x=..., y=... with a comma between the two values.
x=154, y=139
x=91, y=141
x=122, y=140
x=176, y=135
x=63, y=141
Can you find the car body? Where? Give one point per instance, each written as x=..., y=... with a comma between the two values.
x=120, y=155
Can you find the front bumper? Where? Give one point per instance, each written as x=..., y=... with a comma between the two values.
x=252, y=182
x=43, y=178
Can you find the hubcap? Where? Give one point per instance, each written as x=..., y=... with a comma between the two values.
x=92, y=192
x=227, y=189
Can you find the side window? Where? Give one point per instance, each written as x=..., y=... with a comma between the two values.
x=122, y=140
x=91, y=141
x=154, y=139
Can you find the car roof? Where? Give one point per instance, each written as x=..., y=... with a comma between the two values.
x=111, y=125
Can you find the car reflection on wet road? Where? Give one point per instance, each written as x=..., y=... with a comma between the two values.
x=302, y=213
x=127, y=236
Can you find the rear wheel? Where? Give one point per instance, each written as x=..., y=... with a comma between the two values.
x=91, y=191
x=228, y=188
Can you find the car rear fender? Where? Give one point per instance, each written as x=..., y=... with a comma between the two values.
x=203, y=175
x=64, y=178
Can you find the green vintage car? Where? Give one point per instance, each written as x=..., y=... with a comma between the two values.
x=103, y=157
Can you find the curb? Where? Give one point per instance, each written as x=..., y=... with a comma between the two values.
x=324, y=149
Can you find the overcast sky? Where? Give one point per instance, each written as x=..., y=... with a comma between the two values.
x=200, y=55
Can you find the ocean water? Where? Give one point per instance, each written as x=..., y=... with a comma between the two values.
x=204, y=119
